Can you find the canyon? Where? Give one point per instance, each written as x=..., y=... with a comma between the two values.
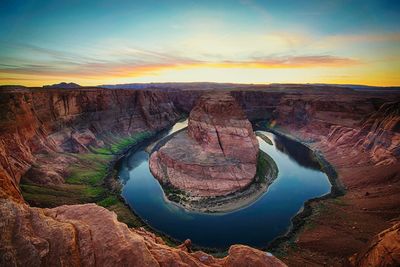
x=43, y=132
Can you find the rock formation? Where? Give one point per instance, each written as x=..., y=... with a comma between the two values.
x=365, y=123
x=358, y=134
x=383, y=250
x=37, y=122
x=89, y=235
x=217, y=155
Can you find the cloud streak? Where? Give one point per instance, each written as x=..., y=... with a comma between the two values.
x=133, y=62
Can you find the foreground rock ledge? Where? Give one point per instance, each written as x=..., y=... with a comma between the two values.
x=215, y=156
x=89, y=235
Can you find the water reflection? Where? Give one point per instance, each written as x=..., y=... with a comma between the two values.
x=268, y=217
x=297, y=152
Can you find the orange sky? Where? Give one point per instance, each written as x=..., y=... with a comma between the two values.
x=226, y=41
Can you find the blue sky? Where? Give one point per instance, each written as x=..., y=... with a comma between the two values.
x=95, y=42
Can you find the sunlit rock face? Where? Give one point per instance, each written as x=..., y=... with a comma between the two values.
x=216, y=155
x=219, y=124
x=382, y=250
x=90, y=235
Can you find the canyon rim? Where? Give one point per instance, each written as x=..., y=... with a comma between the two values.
x=42, y=154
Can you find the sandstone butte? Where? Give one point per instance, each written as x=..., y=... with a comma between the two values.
x=215, y=156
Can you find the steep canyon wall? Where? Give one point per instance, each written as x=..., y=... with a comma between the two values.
x=35, y=122
x=358, y=132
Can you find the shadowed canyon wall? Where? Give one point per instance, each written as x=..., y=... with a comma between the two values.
x=37, y=122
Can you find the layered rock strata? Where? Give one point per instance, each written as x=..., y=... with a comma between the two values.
x=89, y=235
x=356, y=131
x=383, y=250
x=39, y=131
x=215, y=156
x=38, y=122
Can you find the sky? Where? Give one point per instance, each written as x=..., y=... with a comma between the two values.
x=244, y=41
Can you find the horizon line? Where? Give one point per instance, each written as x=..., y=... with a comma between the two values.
x=203, y=82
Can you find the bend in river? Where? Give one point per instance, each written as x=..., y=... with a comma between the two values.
x=299, y=179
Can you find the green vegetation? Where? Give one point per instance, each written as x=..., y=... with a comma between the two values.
x=264, y=137
x=266, y=167
x=118, y=145
x=262, y=165
x=125, y=215
x=86, y=181
x=108, y=201
x=55, y=195
x=174, y=194
x=90, y=169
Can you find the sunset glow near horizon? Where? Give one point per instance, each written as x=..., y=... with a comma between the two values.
x=244, y=41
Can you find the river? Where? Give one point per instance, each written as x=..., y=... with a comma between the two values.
x=299, y=179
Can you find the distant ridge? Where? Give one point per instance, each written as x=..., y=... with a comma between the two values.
x=218, y=86
x=63, y=85
x=175, y=85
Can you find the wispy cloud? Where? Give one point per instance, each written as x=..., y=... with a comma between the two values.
x=133, y=62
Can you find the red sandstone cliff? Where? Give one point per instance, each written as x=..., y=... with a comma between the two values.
x=356, y=132
x=218, y=123
x=366, y=125
x=37, y=123
x=89, y=235
x=383, y=250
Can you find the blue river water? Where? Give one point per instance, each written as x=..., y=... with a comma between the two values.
x=299, y=179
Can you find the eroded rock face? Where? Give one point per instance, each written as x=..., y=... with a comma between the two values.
x=219, y=124
x=89, y=235
x=383, y=250
x=36, y=122
x=358, y=134
x=343, y=121
x=217, y=155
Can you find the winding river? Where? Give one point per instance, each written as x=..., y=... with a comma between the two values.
x=299, y=179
